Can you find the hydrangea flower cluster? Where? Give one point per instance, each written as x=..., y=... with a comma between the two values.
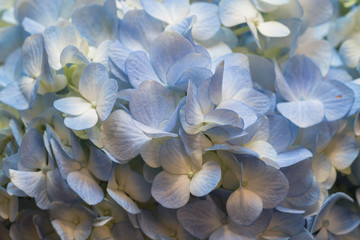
x=178, y=119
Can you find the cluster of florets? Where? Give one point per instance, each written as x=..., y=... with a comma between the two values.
x=178, y=119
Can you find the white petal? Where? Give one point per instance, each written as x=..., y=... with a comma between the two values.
x=83, y=121
x=72, y=105
x=273, y=29
x=235, y=12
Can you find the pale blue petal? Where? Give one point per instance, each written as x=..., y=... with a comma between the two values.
x=204, y=181
x=262, y=71
x=302, y=75
x=315, y=17
x=196, y=74
x=177, y=9
x=343, y=220
x=29, y=88
x=342, y=151
x=32, y=153
x=99, y=164
x=309, y=198
x=183, y=27
x=194, y=142
x=26, y=181
x=293, y=156
x=14, y=97
x=233, y=13
x=356, y=104
x=201, y=218
x=72, y=54
x=282, y=132
x=33, y=56
x=96, y=23
x=11, y=38
x=57, y=188
x=137, y=187
x=326, y=207
x=124, y=201
x=255, y=99
x=92, y=80
x=173, y=123
x=244, y=206
x=56, y=39
x=121, y=137
x=153, y=132
x=150, y=153
x=106, y=98
x=179, y=68
x=83, y=121
x=246, y=113
x=224, y=117
x=174, y=158
x=300, y=177
x=171, y=191
x=72, y=105
x=64, y=162
x=269, y=183
x=216, y=85
x=138, y=30
x=32, y=26
x=319, y=51
x=336, y=97
x=303, y=113
x=208, y=22
x=152, y=104
x=282, y=86
x=42, y=11
x=193, y=111
x=41, y=196
x=166, y=49
x=139, y=69
x=85, y=186
x=235, y=79
x=156, y=10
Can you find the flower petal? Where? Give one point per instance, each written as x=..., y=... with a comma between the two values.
x=85, y=186
x=244, y=206
x=273, y=29
x=204, y=181
x=171, y=191
x=121, y=137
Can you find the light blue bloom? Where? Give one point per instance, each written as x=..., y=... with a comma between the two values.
x=21, y=93
x=153, y=118
x=99, y=92
x=71, y=221
x=97, y=22
x=173, y=12
x=125, y=185
x=36, y=15
x=310, y=99
x=335, y=218
x=37, y=175
x=260, y=187
x=82, y=171
x=182, y=175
